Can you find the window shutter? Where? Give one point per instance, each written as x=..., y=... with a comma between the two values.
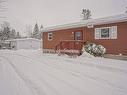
x=97, y=33
x=114, y=32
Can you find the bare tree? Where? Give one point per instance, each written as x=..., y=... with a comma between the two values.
x=12, y=34
x=18, y=35
x=86, y=14
x=126, y=10
x=29, y=31
x=5, y=24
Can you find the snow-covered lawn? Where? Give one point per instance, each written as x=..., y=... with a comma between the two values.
x=30, y=72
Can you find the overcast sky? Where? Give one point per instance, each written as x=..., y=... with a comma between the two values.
x=54, y=12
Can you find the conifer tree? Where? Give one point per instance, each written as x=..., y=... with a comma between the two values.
x=36, y=31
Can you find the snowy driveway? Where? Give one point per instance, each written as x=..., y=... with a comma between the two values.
x=29, y=72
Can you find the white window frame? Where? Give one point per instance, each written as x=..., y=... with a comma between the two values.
x=50, y=35
x=111, y=33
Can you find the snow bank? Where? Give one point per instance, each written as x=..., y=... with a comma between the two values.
x=86, y=54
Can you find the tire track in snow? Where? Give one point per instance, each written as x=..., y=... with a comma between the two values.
x=76, y=74
x=52, y=76
x=29, y=83
x=95, y=78
x=92, y=64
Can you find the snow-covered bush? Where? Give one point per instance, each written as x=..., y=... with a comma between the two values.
x=93, y=49
x=86, y=54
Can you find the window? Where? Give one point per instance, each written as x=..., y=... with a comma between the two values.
x=106, y=33
x=50, y=36
x=78, y=35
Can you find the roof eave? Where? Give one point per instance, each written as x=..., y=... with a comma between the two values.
x=106, y=20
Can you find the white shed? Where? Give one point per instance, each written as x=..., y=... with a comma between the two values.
x=25, y=43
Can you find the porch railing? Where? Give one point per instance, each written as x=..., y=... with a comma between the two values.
x=70, y=47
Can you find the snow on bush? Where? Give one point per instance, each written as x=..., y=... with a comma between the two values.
x=86, y=54
x=93, y=49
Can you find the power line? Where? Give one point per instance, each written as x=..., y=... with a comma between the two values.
x=2, y=1
x=2, y=17
x=2, y=8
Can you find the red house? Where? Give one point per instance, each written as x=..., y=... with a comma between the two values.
x=111, y=32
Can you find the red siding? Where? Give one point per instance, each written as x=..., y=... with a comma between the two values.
x=113, y=46
x=66, y=34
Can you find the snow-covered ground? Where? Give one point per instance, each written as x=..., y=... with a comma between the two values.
x=30, y=72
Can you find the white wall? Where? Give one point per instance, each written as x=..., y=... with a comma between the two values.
x=28, y=44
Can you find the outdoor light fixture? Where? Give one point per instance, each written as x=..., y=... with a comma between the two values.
x=90, y=25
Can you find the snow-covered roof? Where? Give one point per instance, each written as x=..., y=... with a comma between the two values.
x=106, y=20
x=22, y=39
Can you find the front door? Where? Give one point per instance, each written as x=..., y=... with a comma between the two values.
x=78, y=35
